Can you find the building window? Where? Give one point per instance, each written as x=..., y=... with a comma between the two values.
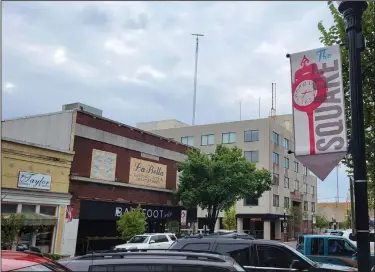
x=286, y=163
x=208, y=139
x=313, y=206
x=312, y=190
x=48, y=210
x=306, y=186
x=275, y=158
x=252, y=156
x=28, y=208
x=296, y=166
x=250, y=201
x=296, y=185
x=229, y=138
x=276, y=138
x=275, y=179
x=286, y=143
x=251, y=136
x=305, y=171
x=8, y=208
x=286, y=182
x=286, y=202
x=188, y=140
x=276, y=201
x=306, y=206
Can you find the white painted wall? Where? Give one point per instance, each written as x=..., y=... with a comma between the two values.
x=53, y=130
x=69, y=239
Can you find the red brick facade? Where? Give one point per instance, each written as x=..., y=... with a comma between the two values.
x=131, y=133
x=83, y=153
x=81, y=166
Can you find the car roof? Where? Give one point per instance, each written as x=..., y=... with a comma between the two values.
x=152, y=257
x=322, y=236
x=13, y=260
x=215, y=238
x=166, y=233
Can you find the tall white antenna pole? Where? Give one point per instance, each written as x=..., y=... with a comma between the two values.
x=259, y=108
x=240, y=110
x=195, y=76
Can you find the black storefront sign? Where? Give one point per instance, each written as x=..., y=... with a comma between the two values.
x=100, y=210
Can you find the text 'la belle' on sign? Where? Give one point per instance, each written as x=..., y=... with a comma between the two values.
x=146, y=173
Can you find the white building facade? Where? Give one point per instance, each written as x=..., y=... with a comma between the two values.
x=265, y=142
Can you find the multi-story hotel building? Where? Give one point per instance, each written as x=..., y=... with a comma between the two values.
x=265, y=142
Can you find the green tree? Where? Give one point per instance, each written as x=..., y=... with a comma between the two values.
x=229, y=219
x=132, y=223
x=11, y=225
x=321, y=222
x=295, y=216
x=215, y=182
x=173, y=226
x=335, y=34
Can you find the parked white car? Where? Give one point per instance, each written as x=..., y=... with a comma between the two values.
x=149, y=241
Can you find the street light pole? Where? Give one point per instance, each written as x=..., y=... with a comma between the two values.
x=355, y=43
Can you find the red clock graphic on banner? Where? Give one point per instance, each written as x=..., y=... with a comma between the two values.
x=309, y=91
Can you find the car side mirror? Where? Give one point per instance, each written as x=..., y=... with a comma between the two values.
x=152, y=241
x=297, y=265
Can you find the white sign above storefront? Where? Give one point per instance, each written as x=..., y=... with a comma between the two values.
x=34, y=181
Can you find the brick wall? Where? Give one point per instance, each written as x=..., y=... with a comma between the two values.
x=81, y=165
x=131, y=133
x=94, y=191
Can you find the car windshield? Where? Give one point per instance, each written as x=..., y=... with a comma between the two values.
x=303, y=257
x=138, y=239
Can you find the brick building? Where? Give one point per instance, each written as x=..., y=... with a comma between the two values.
x=115, y=168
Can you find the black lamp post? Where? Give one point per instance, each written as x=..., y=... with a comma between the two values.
x=352, y=12
x=285, y=224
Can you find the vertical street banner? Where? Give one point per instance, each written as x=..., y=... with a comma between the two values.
x=320, y=140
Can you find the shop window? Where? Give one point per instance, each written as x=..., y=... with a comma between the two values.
x=8, y=208
x=48, y=210
x=44, y=239
x=28, y=208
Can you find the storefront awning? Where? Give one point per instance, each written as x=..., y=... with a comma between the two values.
x=36, y=219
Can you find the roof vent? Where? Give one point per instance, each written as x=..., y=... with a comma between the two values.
x=82, y=107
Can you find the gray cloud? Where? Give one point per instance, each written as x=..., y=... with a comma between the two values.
x=143, y=52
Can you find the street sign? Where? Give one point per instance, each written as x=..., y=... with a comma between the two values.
x=183, y=217
x=318, y=109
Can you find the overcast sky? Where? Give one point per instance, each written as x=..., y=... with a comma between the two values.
x=135, y=60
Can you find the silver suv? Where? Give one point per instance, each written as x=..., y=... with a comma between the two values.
x=154, y=260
